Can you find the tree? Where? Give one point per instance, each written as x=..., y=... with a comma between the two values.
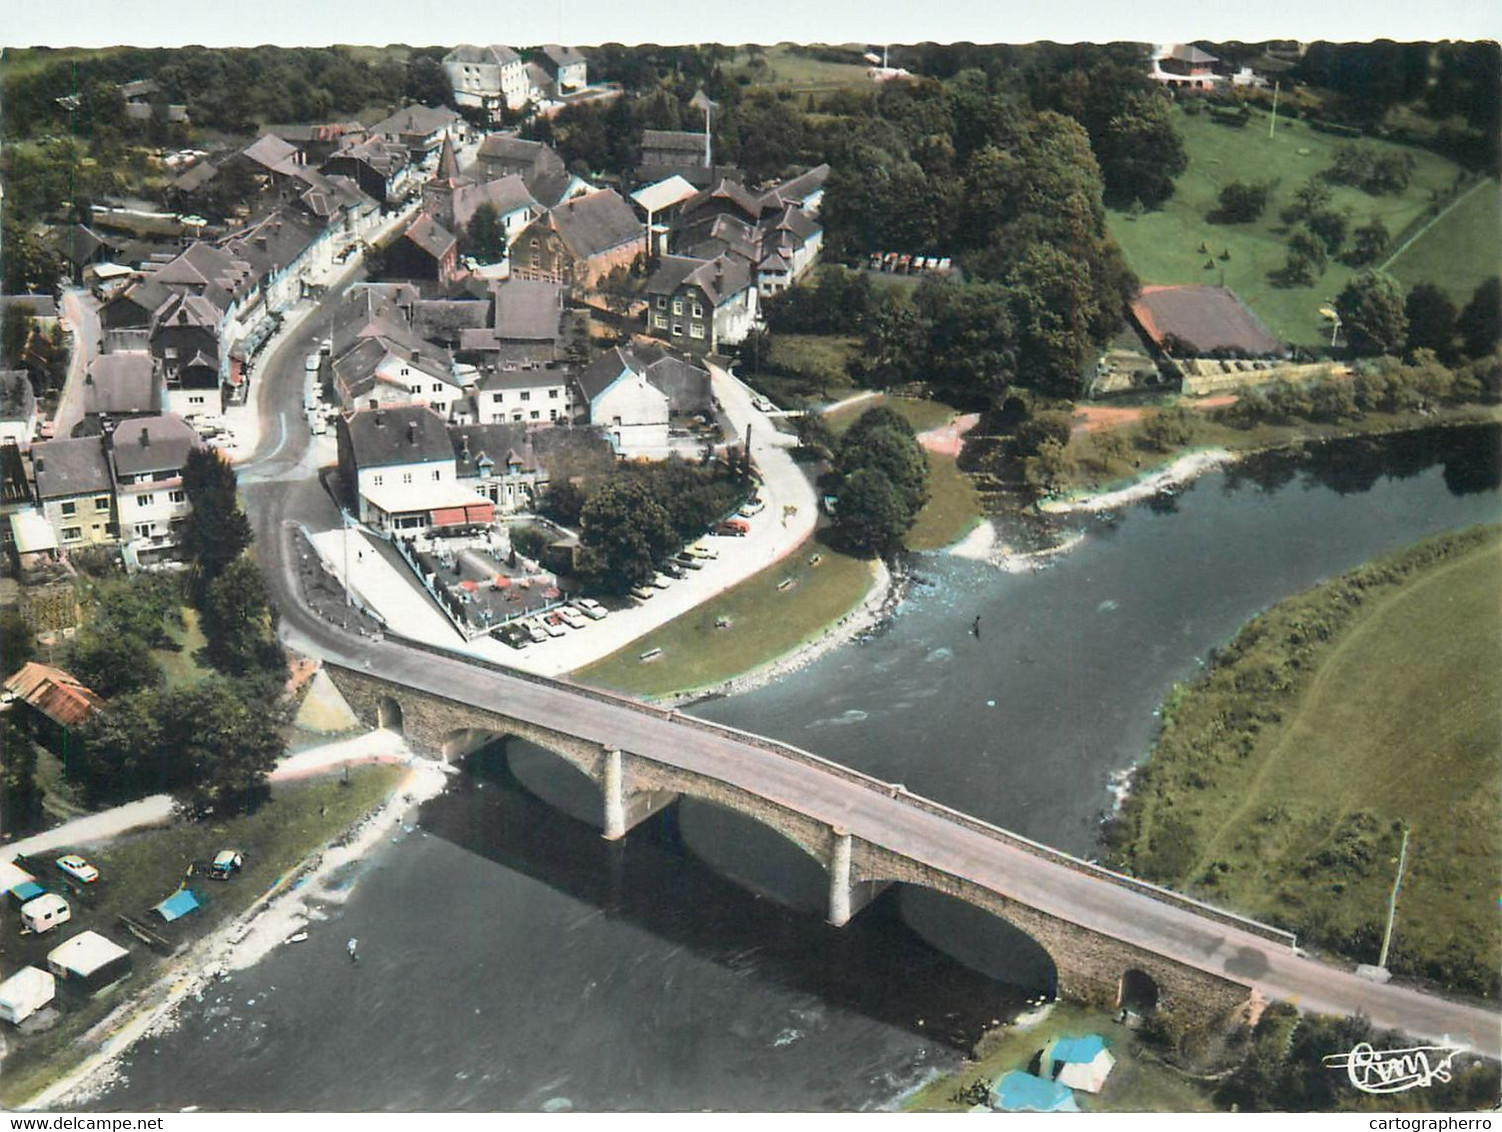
x=1169, y=428
x=1240, y=203
x=112, y=662
x=238, y=621
x=814, y=435
x=896, y=455
x=1368, y=243
x=1431, y=321
x=872, y=515
x=1330, y=226
x=18, y=643
x=216, y=530
x=20, y=796
x=1140, y=151
x=624, y=533
x=15, y=330
x=1371, y=312
x=1480, y=323
x=229, y=737
x=485, y=238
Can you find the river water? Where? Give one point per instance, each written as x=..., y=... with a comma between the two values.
x=513, y=960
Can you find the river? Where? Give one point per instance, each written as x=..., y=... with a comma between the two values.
x=511, y=959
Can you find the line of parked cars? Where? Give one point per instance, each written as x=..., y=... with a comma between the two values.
x=554, y=623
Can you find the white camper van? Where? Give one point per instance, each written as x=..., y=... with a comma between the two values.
x=45, y=913
x=24, y=993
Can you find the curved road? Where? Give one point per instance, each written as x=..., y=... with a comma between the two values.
x=282, y=490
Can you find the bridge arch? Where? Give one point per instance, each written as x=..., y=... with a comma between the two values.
x=389, y=714
x=1138, y=991
x=769, y=858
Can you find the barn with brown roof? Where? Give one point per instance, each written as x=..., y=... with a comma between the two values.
x=1194, y=321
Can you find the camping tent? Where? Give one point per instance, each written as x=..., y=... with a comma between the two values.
x=179, y=904
x=90, y=961
x=1022, y=1092
x=24, y=993
x=1081, y=1063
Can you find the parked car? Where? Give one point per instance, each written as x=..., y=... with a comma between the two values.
x=534, y=632
x=762, y=405
x=688, y=561
x=227, y=862
x=659, y=582
x=700, y=551
x=571, y=618
x=641, y=593
x=76, y=867
x=510, y=635
x=673, y=570
x=591, y=608
x=552, y=628
x=752, y=506
x=733, y=527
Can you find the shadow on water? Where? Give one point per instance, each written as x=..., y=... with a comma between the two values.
x=1471, y=458
x=877, y=965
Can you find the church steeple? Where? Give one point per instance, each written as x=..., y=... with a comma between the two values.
x=448, y=164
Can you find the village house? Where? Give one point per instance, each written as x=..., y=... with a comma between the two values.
x=399, y=474
x=1184, y=67
x=81, y=247
x=386, y=363
x=541, y=169
x=525, y=326
x=580, y=241
x=185, y=348
x=566, y=68
x=51, y=705
x=524, y=396
x=510, y=464
x=18, y=408
x=383, y=171
x=426, y=250
x=75, y=490
x=658, y=205
x=774, y=231
x=420, y=130
x=702, y=305
x=675, y=149
x=488, y=78
x=147, y=456
x=633, y=395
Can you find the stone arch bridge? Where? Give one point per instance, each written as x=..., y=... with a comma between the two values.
x=1109, y=936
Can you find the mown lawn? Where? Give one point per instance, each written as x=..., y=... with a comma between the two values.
x=1460, y=251
x=786, y=68
x=181, y=668
x=1163, y=246
x=1396, y=723
x=141, y=869
x=1135, y=1084
x=765, y=622
x=953, y=506
x=922, y=414
x=809, y=367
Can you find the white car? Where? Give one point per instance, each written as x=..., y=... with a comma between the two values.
x=641, y=593
x=570, y=618
x=660, y=582
x=762, y=405
x=534, y=632
x=591, y=608
x=552, y=628
x=77, y=868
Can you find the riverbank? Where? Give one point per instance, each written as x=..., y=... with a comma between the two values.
x=1178, y=472
x=281, y=911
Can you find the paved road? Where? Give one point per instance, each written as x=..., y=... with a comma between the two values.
x=286, y=495
x=82, y=314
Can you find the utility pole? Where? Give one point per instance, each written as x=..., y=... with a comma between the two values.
x=1273, y=124
x=1392, y=902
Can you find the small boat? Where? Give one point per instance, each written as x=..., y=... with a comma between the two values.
x=298, y=938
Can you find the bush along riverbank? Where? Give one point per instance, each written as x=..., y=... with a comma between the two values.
x=1282, y=780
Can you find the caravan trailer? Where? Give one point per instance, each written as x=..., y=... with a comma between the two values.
x=45, y=913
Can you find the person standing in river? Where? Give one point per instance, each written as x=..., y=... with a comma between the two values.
x=975, y=627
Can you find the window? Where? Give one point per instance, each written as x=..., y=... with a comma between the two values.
x=660, y=321
x=697, y=330
x=526, y=395
x=536, y=415
x=536, y=260
x=112, y=530
x=552, y=394
x=72, y=534
x=516, y=417
x=405, y=371
x=196, y=399
x=552, y=414
x=677, y=328
x=437, y=387
x=145, y=499
x=406, y=477
x=69, y=509
x=496, y=398
x=177, y=496
x=143, y=530
x=101, y=503
x=698, y=310
x=677, y=306
x=375, y=481
x=437, y=474
x=662, y=302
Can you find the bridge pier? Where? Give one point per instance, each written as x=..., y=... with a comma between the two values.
x=847, y=897
x=625, y=809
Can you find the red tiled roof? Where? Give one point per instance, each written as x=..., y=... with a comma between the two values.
x=54, y=693
x=1205, y=318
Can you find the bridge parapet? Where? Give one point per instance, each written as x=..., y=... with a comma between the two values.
x=890, y=790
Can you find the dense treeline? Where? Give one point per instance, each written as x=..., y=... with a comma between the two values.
x=881, y=480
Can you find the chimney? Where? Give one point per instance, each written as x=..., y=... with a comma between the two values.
x=40, y=465
x=411, y=432
x=464, y=437
x=380, y=419
x=145, y=437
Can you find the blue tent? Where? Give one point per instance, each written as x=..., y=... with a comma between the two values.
x=1022, y=1092
x=1083, y=1050
x=180, y=903
x=26, y=891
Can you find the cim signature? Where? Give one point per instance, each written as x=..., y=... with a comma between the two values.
x=1394, y=1070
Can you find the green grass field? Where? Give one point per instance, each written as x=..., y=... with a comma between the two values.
x=921, y=413
x=765, y=622
x=1460, y=250
x=792, y=71
x=953, y=506
x=1396, y=723
x=1163, y=246
x=180, y=667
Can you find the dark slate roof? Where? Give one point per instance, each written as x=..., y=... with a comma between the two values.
x=605, y=371
x=70, y=467
x=186, y=310
x=1188, y=53
x=529, y=377
x=593, y=224
x=269, y=150
x=720, y=278
x=499, y=442
x=686, y=386
x=15, y=487
x=416, y=119
x=38, y=306
x=373, y=151
x=442, y=320
x=495, y=54
x=527, y=311
x=548, y=186
x=404, y=434
x=431, y=236
x=724, y=189
x=1205, y=318
x=575, y=449
x=505, y=194
x=512, y=149
x=152, y=444
x=683, y=141
x=195, y=178
x=562, y=56
x=122, y=384
x=79, y=244
x=795, y=190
